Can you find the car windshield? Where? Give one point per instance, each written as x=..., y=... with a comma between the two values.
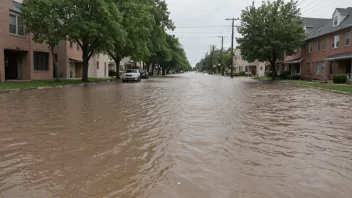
x=131, y=71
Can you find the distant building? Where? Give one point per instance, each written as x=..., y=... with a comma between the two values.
x=253, y=68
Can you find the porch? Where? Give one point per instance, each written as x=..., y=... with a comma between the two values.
x=76, y=68
x=293, y=66
x=340, y=64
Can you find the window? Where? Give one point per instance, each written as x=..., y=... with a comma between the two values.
x=331, y=68
x=317, y=68
x=336, y=20
x=261, y=68
x=13, y=28
x=347, y=38
x=78, y=46
x=16, y=6
x=20, y=28
x=16, y=25
x=71, y=44
x=308, y=67
x=318, y=45
x=309, y=47
x=98, y=65
x=323, y=45
x=335, y=41
x=41, y=60
x=322, y=68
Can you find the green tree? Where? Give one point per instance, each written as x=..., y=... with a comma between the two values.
x=137, y=23
x=158, y=49
x=91, y=23
x=40, y=18
x=270, y=30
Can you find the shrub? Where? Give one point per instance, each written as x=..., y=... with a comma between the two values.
x=269, y=74
x=112, y=73
x=339, y=78
x=284, y=74
x=236, y=74
x=241, y=73
x=294, y=77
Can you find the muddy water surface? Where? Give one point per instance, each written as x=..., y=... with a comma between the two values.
x=192, y=135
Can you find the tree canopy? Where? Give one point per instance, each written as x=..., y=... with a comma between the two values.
x=207, y=62
x=270, y=30
x=119, y=28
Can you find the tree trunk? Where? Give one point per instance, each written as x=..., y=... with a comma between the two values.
x=163, y=70
x=117, y=62
x=152, y=71
x=85, y=61
x=223, y=70
x=273, y=70
x=56, y=66
x=158, y=71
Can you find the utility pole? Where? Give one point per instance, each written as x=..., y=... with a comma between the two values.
x=222, y=49
x=233, y=29
x=212, y=58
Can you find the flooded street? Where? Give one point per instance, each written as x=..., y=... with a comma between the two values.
x=189, y=135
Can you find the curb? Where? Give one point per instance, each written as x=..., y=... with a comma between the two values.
x=336, y=91
x=6, y=91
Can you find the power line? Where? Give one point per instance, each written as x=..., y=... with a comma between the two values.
x=215, y=26
x=301, y=3
x=327, y=6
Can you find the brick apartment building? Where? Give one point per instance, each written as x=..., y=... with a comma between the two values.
x=24, y=59
x=20, y=57
x=327, y=49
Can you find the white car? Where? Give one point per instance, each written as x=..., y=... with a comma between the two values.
x=131, y=75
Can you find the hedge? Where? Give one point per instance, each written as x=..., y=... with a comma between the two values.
x=339, y=78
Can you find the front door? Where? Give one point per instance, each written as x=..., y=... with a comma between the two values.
x=11, y=70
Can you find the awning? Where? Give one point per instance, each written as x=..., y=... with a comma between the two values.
x=346, y=55
x=297, y=60
x=74, y=60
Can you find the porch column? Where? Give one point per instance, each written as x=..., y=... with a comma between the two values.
x=2, y=65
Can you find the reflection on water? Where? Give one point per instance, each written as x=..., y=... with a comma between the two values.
x=191, y=136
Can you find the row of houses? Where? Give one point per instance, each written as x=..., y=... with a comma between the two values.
x=327, y=50
x=23, y=59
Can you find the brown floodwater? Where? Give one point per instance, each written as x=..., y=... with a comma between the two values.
x=189, y=135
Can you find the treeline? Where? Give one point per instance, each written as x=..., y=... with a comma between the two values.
x=222, y=60
x=118, y=28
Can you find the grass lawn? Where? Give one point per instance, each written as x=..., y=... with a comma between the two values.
x=261, y=78
x=345, y=88
x=45, y=83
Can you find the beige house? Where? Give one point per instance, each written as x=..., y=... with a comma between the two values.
x=253, y=68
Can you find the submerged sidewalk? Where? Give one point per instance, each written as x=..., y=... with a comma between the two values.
x=13, y=86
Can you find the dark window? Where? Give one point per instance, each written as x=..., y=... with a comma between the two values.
x=78, y=46
x=323, y=45
x=331, y=68
x=41, y=60
x=318, y=44
x=322, y=68
x=97, y=65
x=20, y=27
x=71, y=44
x=347, y=38
x=12, y=24
x=308, y=67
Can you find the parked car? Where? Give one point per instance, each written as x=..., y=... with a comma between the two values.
x=144, y=74
x=131, y=75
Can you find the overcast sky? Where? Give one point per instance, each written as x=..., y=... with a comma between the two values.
x=195, y=20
